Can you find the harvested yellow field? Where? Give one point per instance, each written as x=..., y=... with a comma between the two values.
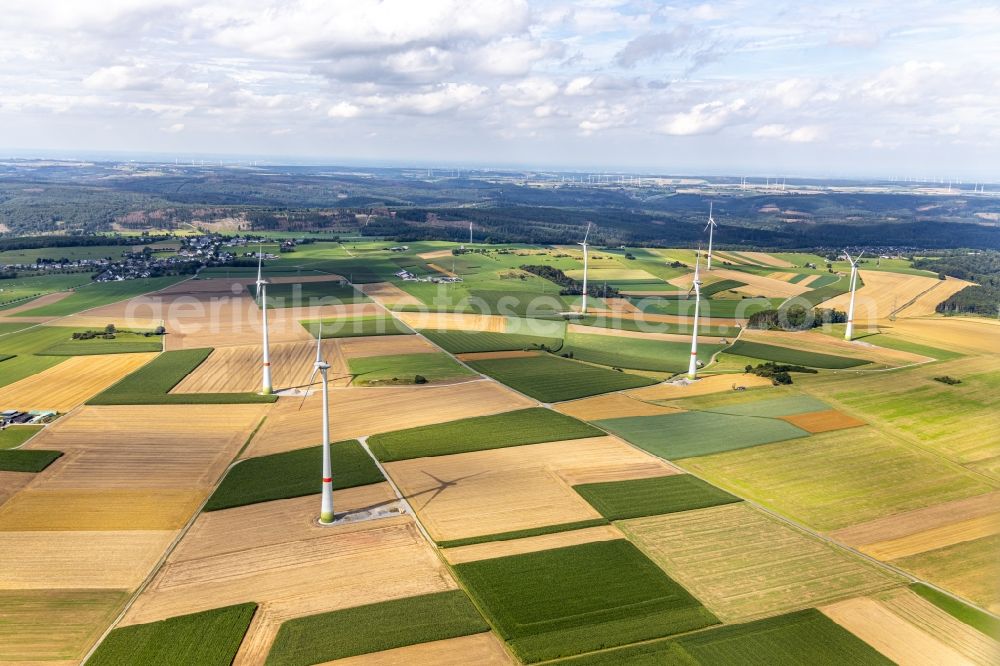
x=759, y=285
x=453, y=321
x=385, y=345
x=815, y=341
x=766, y=259
x=54, y=626
x=611, y=406
x=884, y=292
x=596, y=275
x=79, y=560
x=824, y=421
x=386, y=293
x=515, y=488
x=332, y=568
x=891, y=635
x=968, y=334
x=11, y=483
x=483, y=356
x=639, y=335
x=368, y=411
x=68, y=384
x=238, y=369
x=85, y=510
x=784, y=277
x=483, y=648
x=442, y=270
x=620, y=305
x=924, y=615
x=155, y=446
x=923, y=530
x=744, y=564
x=703, y=386
x=436, y=254
x=808, y=281
x=493, y=549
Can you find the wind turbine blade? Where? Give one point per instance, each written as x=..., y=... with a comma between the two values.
x=860, y=255
x=587, y=235
x=309, y=383
x=260, y=264
x=319, y=341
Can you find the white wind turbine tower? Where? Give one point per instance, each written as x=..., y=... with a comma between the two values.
x=470, y=233
x=583, y=307
x=266, y=388
x=696, y=286
x=711, y=228
x=849, y=331
x=326, y=499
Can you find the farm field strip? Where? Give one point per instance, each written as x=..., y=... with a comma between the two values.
x=515, y=488
x=71, y=382
x=367, y=411
x=553, y=379
x=884, y=292
x=453, y=321
x=494, y=549
x=705, y=385
x=612, y=405
x=759, y=285
x=638, y=335
x=482, y=648
x=238, y=369
x=385, y=345
x=814, y=342
x=973, y=335
x=823, y=421
x=968, y=569
x=744, y=564
x=98, y=509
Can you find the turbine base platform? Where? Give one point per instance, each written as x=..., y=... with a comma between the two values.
x=384, y=510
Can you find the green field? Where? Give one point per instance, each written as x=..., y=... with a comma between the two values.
x=20, y=367
x=829, y=481
x=804, y=637
x=353, y=327
x=101, y=293
x=37, y=339
x=971, y=616
x=405, y=368
x=687, y=434
x=644, y=326
x=565, y=601
x=635, y=353
x=721, y=285
x=21, y=290
x=552, y=379
x=209, y=638
x=793, y=356
x=31, y=460
x=517, y=428
x=773, y=407
x=124, y=342
x=16, y=435
x=724, y=308
x=464, y=342
x=150, y=384
x=310, y=294
x=619, y=500
x=376, y=627
x=71, y=253
x=889, y=341
x=293, y=474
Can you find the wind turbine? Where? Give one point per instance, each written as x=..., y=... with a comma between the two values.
x=696, y=286
x=849, y=331
x=262, y=301
x=583, y=307
x=470, y=233
x=711, y=228
x=326, y=499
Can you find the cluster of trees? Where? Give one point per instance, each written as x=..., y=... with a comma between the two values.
x=570, y=287
x=777, y=373
x=981, y=267
x=795, y=318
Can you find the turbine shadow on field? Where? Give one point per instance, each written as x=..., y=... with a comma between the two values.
x=441, y=487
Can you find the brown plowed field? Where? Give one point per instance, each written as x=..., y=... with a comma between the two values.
x=515, y=488
x=744, y=564
x=68, y=384
x=485, y=649
x=368, y=411
x=333, y=568
x=453, y=321
x=83, y=510
x=79, y=560
x=705, y=385
x=493, y=549
x=611, y=406
x=385, y=345
x=386, y=293
x=884, y=292
x=823, y=421
x=238, y=369
x=890, y=634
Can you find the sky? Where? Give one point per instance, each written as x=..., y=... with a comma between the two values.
x=748, y=87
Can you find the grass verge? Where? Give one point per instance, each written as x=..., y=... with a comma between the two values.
x=293, y=474
x=374, y=628
x=517, y=428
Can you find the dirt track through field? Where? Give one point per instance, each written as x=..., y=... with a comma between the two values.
x=238, y=369
x=71, y=382
x=368, y=411
x=386, y=293
x=515, y=488
x=493, y=549
x=891, y=635
x=610, y=406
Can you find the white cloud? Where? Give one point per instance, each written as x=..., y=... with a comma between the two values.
x=344, y=110
x=704, y=118
x=173, y=129
x=121, y=77
x=905, y=84
x=805, y=134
